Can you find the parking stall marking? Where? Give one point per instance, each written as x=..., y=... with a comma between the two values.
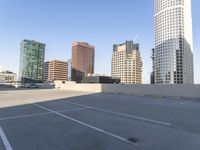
x=5, y=140
x=121, y=114
x=87, y=125
x=39, y=114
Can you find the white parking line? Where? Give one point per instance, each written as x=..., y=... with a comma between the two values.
x=87, y=125
x=5, y=140
x=24, y=116
x=39, y=114
x=122, y=114
x=187, y=101
x=69, y=110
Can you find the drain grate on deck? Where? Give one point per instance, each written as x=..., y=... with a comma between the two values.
x=133, y=140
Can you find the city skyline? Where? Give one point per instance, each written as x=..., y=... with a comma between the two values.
x=59, y=40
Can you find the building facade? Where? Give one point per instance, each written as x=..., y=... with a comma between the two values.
x=46, y=70
x=127, y=63
x=8, y=77
x=152, y=77
x=69, y=69
x=100, y=79
x=82, y=60
x=173, y=42
x=31, y=66
x=57, y=70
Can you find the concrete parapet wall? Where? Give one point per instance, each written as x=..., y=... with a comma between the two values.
x=144, y=89
x=157, y=90
x=72, y=86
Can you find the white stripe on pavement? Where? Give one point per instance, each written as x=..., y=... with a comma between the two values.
x=5, y=140
x=87, y=125
x=39, y=114
x=122, y=114
x=24, y=116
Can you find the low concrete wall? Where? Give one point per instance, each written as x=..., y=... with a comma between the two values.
x=144, y=89
x=157, y=90
x=72, y=86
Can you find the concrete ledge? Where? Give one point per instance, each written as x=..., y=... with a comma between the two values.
x=185, y=90
x=72, y=86
x=156, y=90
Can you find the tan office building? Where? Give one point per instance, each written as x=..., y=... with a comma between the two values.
x=8, y=77
x=57, y=70
x=127, y=63
x=82, y=60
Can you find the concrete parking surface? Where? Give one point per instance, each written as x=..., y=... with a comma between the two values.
x=63, y=120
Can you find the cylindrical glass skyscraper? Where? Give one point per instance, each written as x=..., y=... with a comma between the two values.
x=173, y=42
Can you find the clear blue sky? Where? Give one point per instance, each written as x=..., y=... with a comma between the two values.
x=101, y=23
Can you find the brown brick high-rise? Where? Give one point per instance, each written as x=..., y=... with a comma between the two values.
x=57, y=70
x=82, y=60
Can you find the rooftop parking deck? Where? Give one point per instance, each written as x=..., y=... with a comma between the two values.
x=63, y=120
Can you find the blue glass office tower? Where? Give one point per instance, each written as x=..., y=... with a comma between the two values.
x=31, y=67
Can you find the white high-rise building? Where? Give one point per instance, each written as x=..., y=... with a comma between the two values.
x=173, y=42
x=127, y=63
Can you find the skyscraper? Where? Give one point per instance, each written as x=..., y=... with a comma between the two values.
x=173, y=42
x=82, y=60
x=31, y=67
x=127, y=63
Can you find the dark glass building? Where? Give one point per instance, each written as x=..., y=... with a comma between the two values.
x=31, y=66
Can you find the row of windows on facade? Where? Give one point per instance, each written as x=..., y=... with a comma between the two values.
x=180, y=76
x=168, y=2
x=138, y=71
x=165, y=67
x=163, y=64
x=169, y=36
x=179, y=39
x=166, y=54
x=159, y=6
x=119, y=71
x=172, y=41
x=173, y=21
x=164, y=39
x=168, y=79
x=123, y=68
x=161, y=51
x=170, y=12
x=169, y=45
x=128, y=75
x=166, y=18
x=170, y=30
x=124, y=62
x=170, y=20
x=166, y=34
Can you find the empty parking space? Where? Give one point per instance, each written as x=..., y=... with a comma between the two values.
x=102, y=121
